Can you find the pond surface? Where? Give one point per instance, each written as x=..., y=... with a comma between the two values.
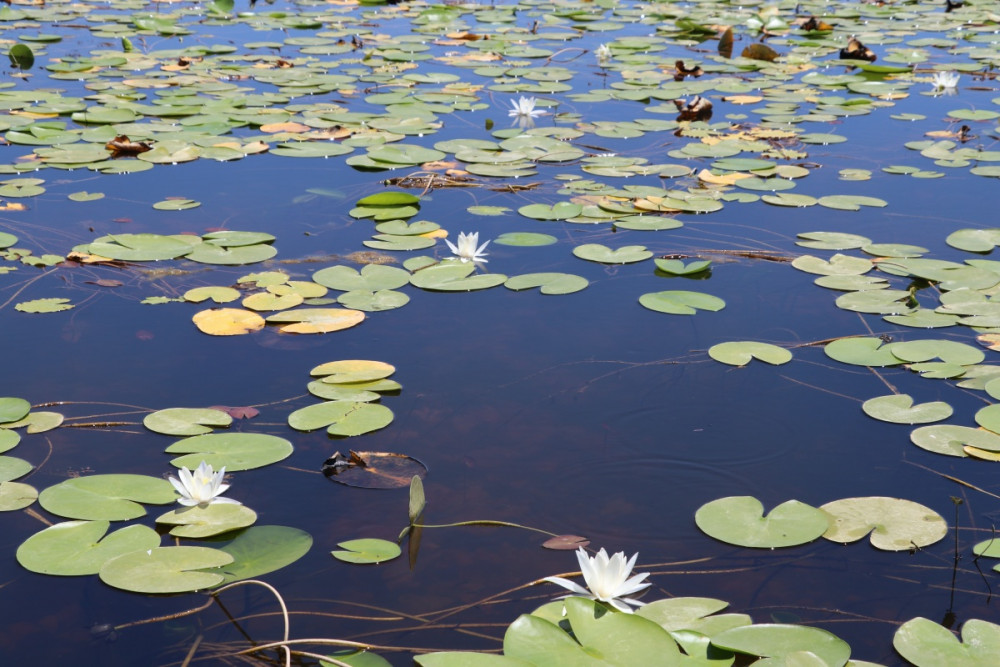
x=582, y=413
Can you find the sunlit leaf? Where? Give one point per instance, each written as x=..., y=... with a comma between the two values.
x=166, y=569
x=106, y=497
x=341, y=417
x=740, y=520
x=679, y=302
x=740, y=353
x=75, y=548
x=186, y=421
x=227, y=321
x=235, y=451
x=895, y=524
x=924, y=643
x=213, y=519
x=899, y=409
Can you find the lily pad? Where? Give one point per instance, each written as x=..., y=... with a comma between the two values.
x=262, y=549
x=740, y=520
x=525, y=239
x=317, y=320
x=341, y=418
x=371, y=277
x=166, y=569
x=75, y=548
x=228, y=321
x=895, y=524
x=924, y=643
x=861, y=352
x=106, y=497
x=186, y=421
x=235, y=451
x=550, y=283
x=12, y=409
x=451, y=276
x=199, y=522
x=16, y=496
x=367, y=551
x=778, y=640
x=899, y=409
x=353, y=370
x=596, y=252
x=952, y=439
x=740, y=353
x=679, y=302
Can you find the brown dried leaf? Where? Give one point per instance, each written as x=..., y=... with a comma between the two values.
x=726, y=43
x=566, y=542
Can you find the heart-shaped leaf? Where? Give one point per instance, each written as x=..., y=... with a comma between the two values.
x=365, y=551
x=74, y=548
x=596, y=252
x=924, y=643
x=895, y=524
x=166, y=569
x=740, y=353
x=680, y=302
x=106, y=497
x=740, y=520
x=899, y=409
x=235, y=451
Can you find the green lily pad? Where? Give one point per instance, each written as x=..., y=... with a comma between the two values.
x=12, y=409
x=899, y=409
x=693, y=614
x=837, y=265
x=558, y=211
x=924, y=643
x=550, y=283
x=850, y=202
x=777, y=640
x=625, y=639
x=453, y=276
x=16, y=496
x=262, y=549
x=952, y=439
x=186, y=421
x=882, y=302
x=525, y=239
x=341, y=418
x=141, y=247
x=166, y=569
x=861, y=352
x=235, y=451
x=106, y=497
x=974, y=240
x=740, y=353
x=596, y=252
x=946, y=350
x=366, y=551
x=389, y=198
x=212, y=253
x=8, y=439
x=176, y=204
x=52, y=305
x=75, y=548
x=214, y=519
x=677, y=267
x=680, y=302
x=740, y=520
x=12, y=467
x=372, y=277
x=895, y=524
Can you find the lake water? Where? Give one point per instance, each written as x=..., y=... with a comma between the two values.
x=582, y=414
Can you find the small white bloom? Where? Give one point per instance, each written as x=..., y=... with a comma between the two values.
x=603, y=52
x=607, y=578
x=525, y=107
x=945, y=81
x=201, y=487
x=466, y=249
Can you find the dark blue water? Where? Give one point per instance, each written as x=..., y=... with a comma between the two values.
x=584, y=414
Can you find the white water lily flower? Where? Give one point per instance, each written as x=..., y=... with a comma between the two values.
x=607, y=578
x=466, y=249
x=945, y=81
x=524, y=107
x=201, y=487
x=603, y=52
